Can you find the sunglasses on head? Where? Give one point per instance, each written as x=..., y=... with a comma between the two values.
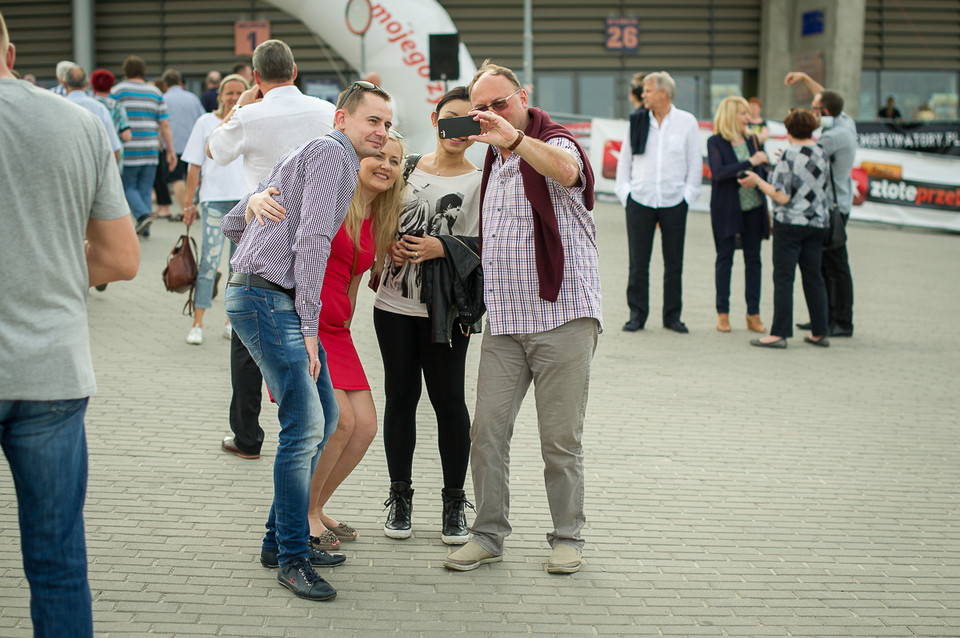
x=497, y=105
x=363, y=85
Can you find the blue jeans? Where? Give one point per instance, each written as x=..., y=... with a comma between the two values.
x=45, y=444
x=267, y=323
x=211, y=249
x=137, y=184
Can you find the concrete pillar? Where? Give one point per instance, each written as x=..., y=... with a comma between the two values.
x=84, y=47
x=843, y=76
x=833, y=57
x=776, y=58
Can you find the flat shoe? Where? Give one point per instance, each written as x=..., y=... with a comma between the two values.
x=822, y=342
x=470, y=556
x=326, y=540
x=344, y=532
x=564, y=559
x=779, y=343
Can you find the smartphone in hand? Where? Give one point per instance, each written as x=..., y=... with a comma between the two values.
x=450, y=127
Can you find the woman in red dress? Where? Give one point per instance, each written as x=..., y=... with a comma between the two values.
x=362, y=241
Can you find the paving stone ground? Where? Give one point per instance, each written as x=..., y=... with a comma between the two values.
x=731, y=491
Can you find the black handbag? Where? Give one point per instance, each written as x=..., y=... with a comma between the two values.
x=836, y=228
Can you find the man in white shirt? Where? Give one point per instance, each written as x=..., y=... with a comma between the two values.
x=261, y=131
x=656, y=184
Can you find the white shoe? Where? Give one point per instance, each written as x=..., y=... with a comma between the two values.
x=195, y=336
x=228, y=332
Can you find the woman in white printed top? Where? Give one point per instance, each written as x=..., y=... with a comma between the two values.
x=443, y=197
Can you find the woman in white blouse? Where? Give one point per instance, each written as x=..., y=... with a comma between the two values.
x=220, y=190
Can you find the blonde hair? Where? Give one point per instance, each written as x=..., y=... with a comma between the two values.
x=4, y=36
x=384, y=214
x=230, y=78
x=725, y=121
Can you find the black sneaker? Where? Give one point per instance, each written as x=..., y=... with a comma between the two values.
x=454, y=529
x=143, y=225
x=401, y=508
x=318, y=558
x=298, y=576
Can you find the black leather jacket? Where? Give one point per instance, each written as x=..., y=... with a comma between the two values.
x=452, y=288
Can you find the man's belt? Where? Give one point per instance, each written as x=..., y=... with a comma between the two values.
x=256, y=281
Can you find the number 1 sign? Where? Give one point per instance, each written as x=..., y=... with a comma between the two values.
x=247, y=34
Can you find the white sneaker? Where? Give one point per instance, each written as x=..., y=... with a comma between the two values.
x=195, y=336
x=228, y=332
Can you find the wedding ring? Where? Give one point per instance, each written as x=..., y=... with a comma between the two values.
x=417, y=254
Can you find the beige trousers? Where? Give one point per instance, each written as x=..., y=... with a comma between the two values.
x=558, y=363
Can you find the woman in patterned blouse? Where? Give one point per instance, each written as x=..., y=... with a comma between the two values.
x=800, y=190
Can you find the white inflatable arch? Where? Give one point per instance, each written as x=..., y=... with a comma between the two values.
x=396, y=45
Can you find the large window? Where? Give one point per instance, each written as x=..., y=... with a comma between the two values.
x=910, y=91
x=554, y=93
x=604, y=94
x=598, y=94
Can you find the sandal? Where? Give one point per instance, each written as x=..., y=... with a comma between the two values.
x=326, y=540
x=344, y=532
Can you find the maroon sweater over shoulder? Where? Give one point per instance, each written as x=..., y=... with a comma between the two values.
x=547, y=246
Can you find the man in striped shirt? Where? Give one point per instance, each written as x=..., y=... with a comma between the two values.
x=147, y=116
x=542, y=291
x=273, y=302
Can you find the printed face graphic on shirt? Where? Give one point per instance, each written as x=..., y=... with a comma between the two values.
x=417, y=214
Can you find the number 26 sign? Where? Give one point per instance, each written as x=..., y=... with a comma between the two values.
x=623, y=34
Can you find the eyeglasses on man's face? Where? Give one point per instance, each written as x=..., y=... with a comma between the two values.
x=497, y=105
x=363, y=85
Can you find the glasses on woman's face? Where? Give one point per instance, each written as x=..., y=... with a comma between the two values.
x=363, y=85
x=497, y=105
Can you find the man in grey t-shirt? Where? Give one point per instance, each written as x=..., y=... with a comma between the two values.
x=839, y=140
x=57, y=237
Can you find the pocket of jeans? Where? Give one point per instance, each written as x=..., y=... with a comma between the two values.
x=248, y=329
x=67, y=406
x=283, y=303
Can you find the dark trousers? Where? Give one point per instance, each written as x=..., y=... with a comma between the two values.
x=641, y=225
x=839, y=282
x=793, y=246
x=751, y=231
x=407, y=350
x=245, y=403
x=160, y=182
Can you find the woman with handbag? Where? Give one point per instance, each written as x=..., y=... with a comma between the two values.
x=361, y=243
x=221, y=189
x=443, y=198
x=799, y=188
x=736, y=210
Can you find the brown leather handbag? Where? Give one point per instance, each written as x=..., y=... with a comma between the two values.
x=180, y=274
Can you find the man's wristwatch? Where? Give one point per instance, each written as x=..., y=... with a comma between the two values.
x=516, y=142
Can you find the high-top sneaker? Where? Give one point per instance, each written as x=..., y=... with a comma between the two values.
x=400, y=503
x=454, y=530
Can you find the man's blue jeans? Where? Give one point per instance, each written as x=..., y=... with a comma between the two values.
x=137, y=184
x=267, y=323
x=46, y=447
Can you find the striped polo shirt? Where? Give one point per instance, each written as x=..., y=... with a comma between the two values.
x=145, y=110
